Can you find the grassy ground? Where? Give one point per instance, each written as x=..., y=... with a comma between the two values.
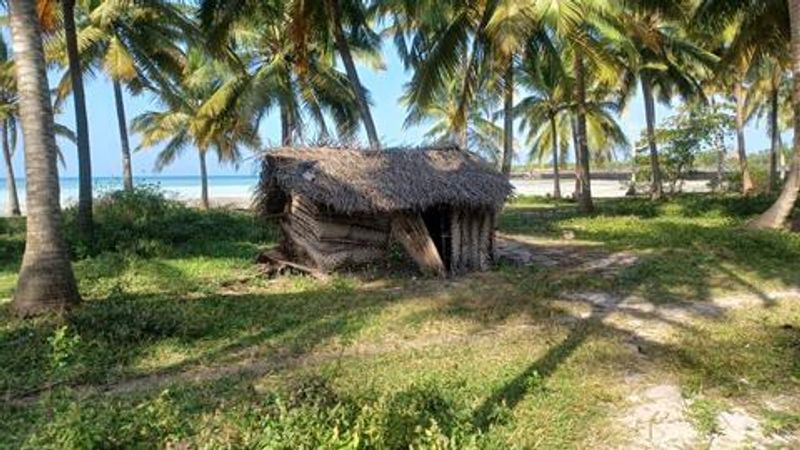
x=181, y=343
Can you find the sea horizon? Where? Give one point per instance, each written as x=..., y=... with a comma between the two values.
x=178, y=187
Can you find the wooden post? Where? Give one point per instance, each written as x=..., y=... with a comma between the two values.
x=455, y=241
x=410, y=231
x=475, y=239
x=484, y=240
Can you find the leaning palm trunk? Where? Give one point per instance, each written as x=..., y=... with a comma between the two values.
x=583, y=171
x=508, y=117
x=204, y=203
x=775, y=140
x=556, y=174
x=747, y=182
x=656, y=187
x=343, y=47
x=776, y=216
x=45, y=281
x=81, y=124
x=127, y=172
x=11, y=183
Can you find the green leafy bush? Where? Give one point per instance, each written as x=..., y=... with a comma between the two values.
x=146, y=223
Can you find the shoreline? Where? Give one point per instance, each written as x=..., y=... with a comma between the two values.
x=240, y=196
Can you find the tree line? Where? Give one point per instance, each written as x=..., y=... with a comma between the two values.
x=559, y=70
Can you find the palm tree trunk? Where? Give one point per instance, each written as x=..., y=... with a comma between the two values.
x=508, y=117
x=720, y=143
x=747, y=182
x=343, y=47
x=463, y=140
x=127, y=172
x=656, y=187
x=286, y=127
x=11, y=183
x=556, y=175
x=81, y=124
x=204, y=203
x=583, y=170
x=575, y=148
x=45, y=281
x=775, y=136
x=776, y=216
x=782, y=158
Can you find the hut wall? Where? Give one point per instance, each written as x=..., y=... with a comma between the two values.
x=472, y=238
x=331, y=240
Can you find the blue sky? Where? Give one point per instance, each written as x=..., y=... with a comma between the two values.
x=386, y=88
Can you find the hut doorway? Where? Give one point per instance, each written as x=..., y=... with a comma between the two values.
x=437, y=221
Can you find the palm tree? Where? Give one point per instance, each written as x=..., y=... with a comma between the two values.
x=8, y=122
x=85, y=224
x=763, y=29
x=482, y=135
x=777, y=215
x=308, y=23
x=658, y=54
x=135, y=44
x=200, y=114
x=474, y=42
x=582, y=27
x=298, y=89
x=545, y=111
x=45, y=281
x=768, y=97
x=334, y=11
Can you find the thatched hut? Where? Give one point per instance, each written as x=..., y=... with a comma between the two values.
x=338, y=206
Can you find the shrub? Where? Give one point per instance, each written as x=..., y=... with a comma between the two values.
x=146, y=223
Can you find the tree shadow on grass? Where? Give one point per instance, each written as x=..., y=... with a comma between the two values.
x=116, y=333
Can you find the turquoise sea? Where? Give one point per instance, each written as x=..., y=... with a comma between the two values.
x=229, y=187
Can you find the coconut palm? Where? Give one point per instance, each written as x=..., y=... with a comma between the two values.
x=482, y=135
x=474, y=42
x=199, y=113
x=343, y=22
x=659, y=56
x=545, y=112
x=64, y=25
x=8, y=122
x=135, y=44
x=768, y=97
x=582, y=27
x=300, y=90
x=763, y=29
x=548, y=116
x=45, y=280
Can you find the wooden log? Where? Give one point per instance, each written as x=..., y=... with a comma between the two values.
x=377, y=223
x=303, y=243
x=276, y=263
x=334, y=260
x=410, y=231
x=330, y=231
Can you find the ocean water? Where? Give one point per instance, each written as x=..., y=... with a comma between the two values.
x=177, y=187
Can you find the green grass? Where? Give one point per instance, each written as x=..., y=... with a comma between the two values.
x=199, y=349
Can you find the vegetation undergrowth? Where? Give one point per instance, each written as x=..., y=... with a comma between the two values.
x=181, y=342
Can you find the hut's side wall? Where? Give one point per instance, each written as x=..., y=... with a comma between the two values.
x=472, y=234
x=331, y=240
